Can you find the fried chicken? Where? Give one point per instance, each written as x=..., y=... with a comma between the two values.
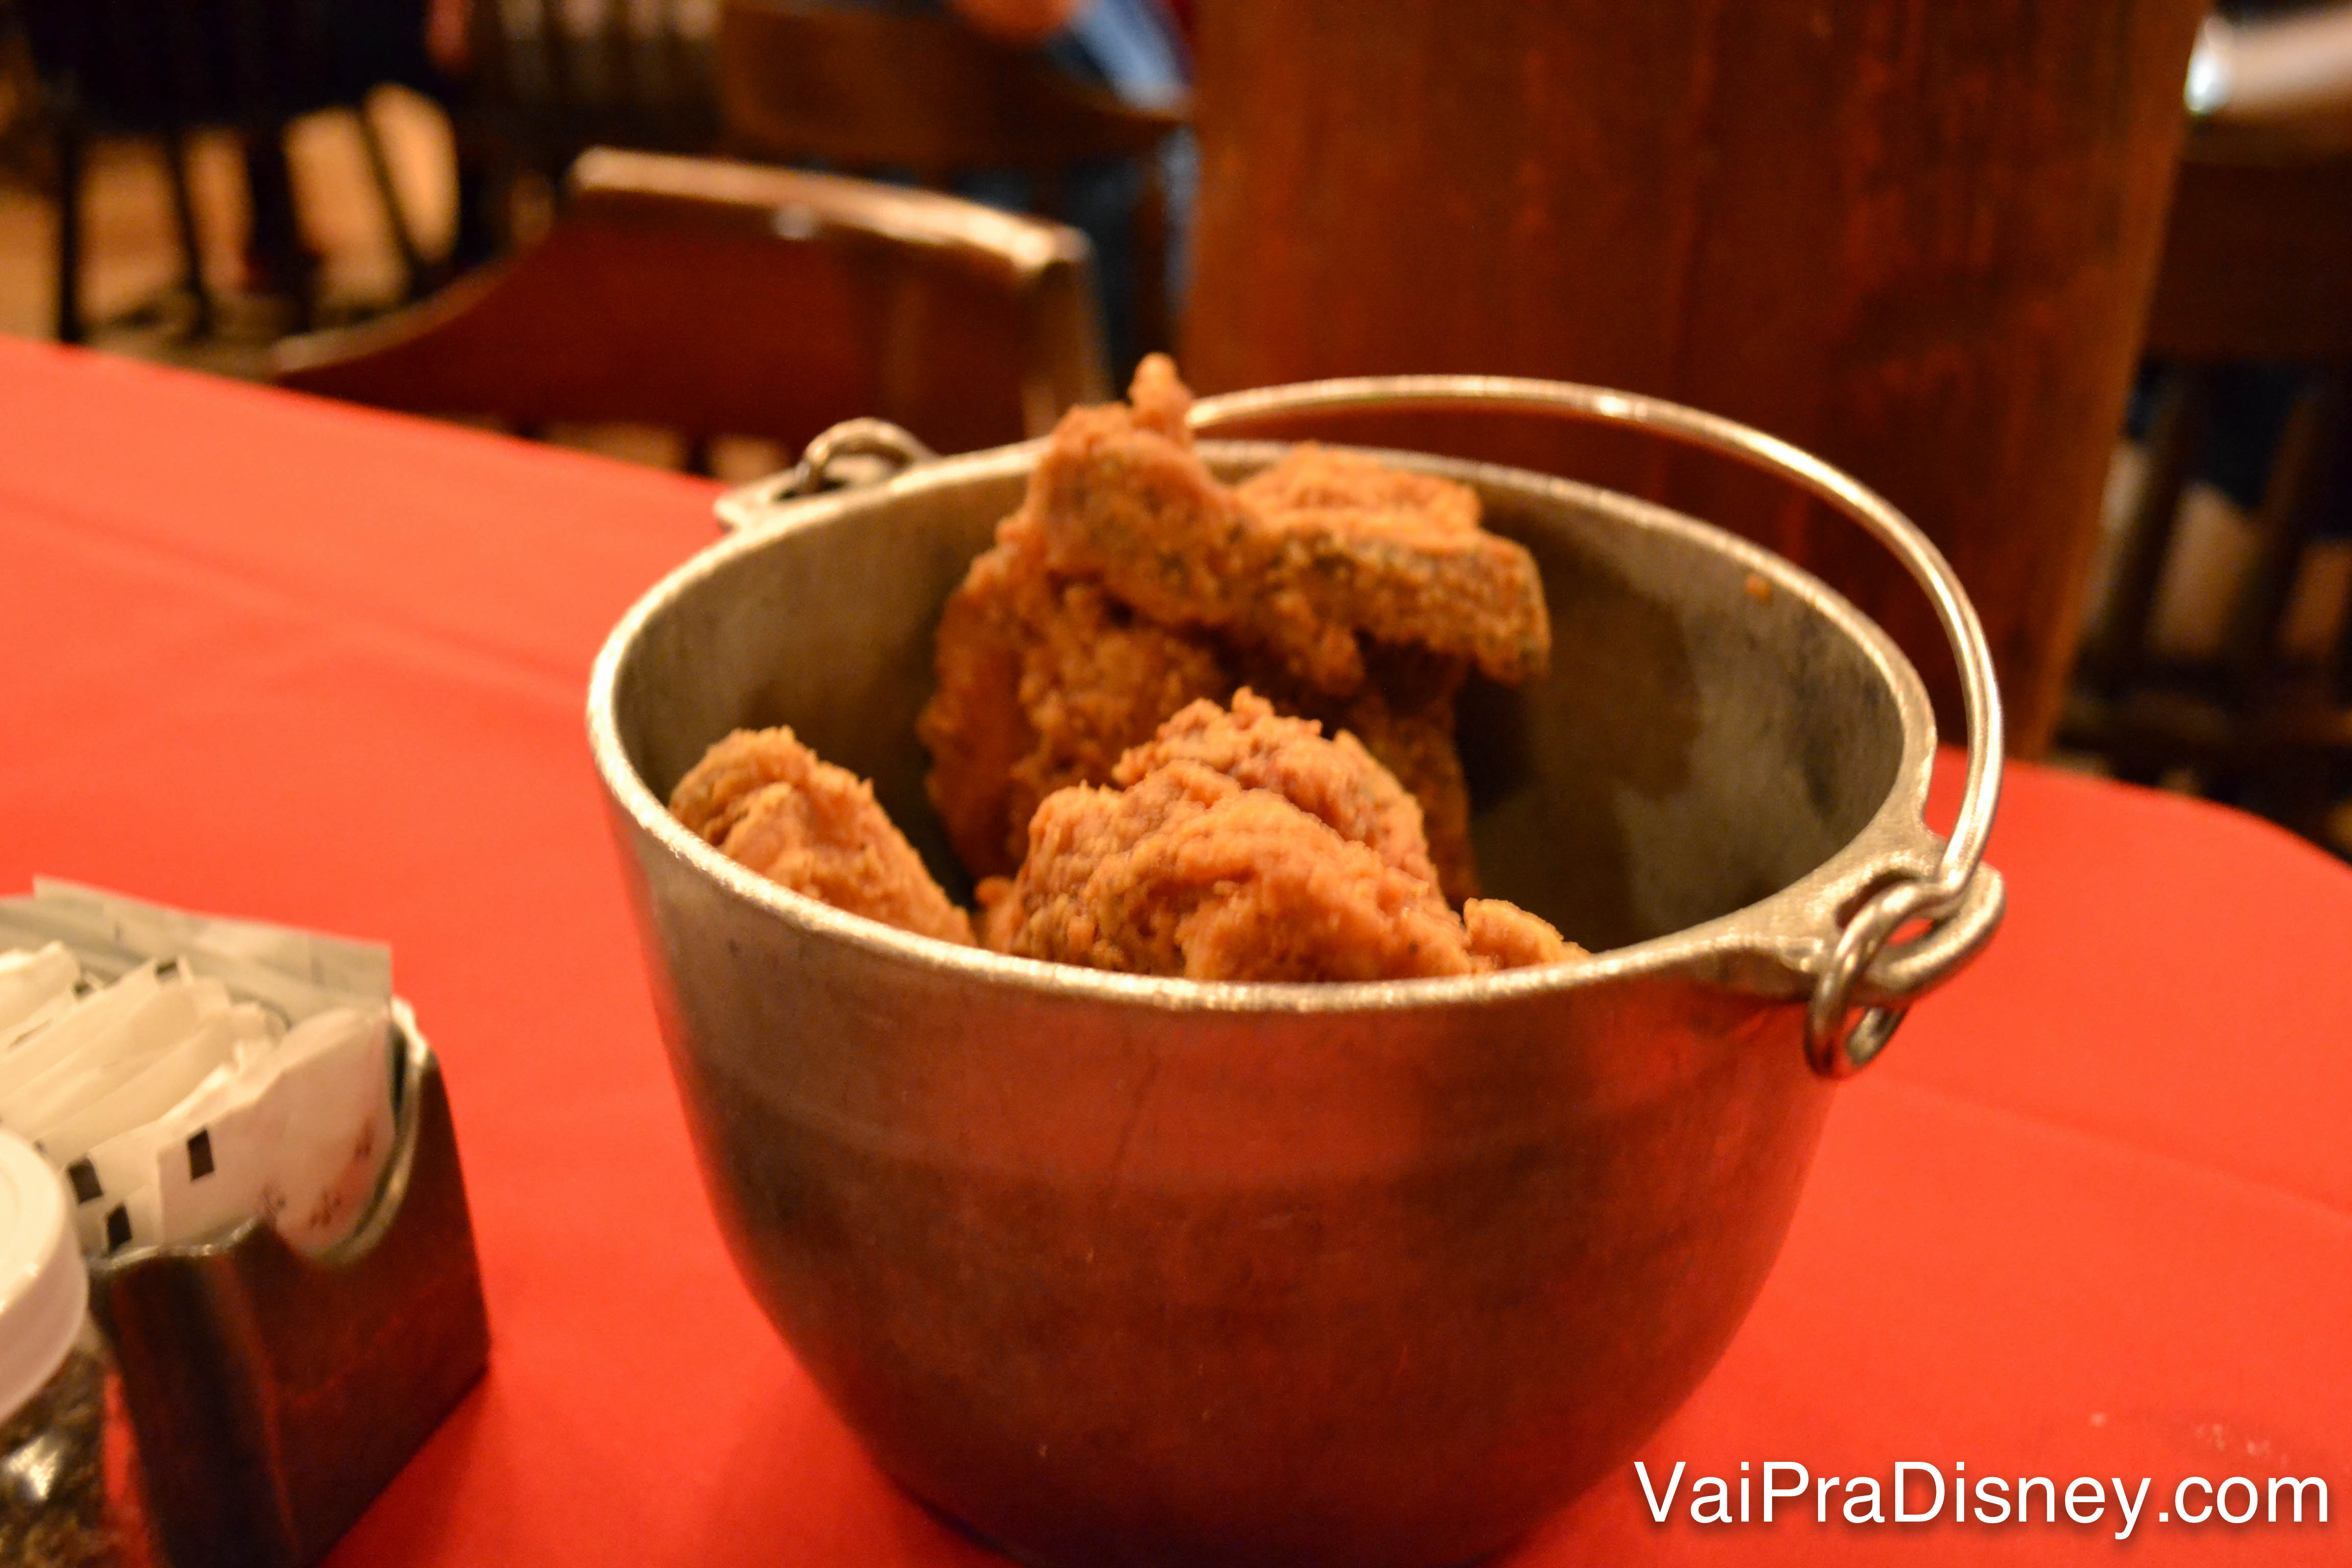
x=1162, y=401
x=1131, y=583
x=1403, y=715
x=1245, y=845
x=1327, y=548
x=1334, y=781
x=1189, y=873
x=1240, y=844
x=1209, y=728
x=1042, y=682
x=768, y=802
x=1505, y=936
x=1315, y=485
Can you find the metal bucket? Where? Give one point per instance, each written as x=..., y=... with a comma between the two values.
x=1115, y=1269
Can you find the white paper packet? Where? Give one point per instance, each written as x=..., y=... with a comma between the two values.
x=291, y=999
x=164, y=1081
x=304, y=1148
x=89, y=1018
x=355, y=970
x=32, y=983
x=50, y=1012
x=113, y=1184
x=18, y=962
x=109, y=1059
x=25, y=926
x=111, y=1224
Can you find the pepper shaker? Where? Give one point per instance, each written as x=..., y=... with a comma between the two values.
x=69, y=1488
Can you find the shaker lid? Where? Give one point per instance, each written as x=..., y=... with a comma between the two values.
x=43, y=1294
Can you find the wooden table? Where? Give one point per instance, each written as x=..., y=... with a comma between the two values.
x=2091, y=1217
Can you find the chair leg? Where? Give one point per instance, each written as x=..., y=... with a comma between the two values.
x=2120, y=644
x=2299, y=475
x=403, y=239
x=2339, y=666
x=70, y=150
x=183, y=218
x=2337, y=675
x=277, y=258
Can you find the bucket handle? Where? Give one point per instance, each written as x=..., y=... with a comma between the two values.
x=1961, y=899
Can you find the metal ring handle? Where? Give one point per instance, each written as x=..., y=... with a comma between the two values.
x=1863, y=967
x=850, y=438
x=1903, y=972
x=1834, y=1047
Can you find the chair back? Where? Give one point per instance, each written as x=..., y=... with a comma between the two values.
x=719, y=298
x=878, y=93
x=2257, y=270
x=869, y=90
x=553, y=77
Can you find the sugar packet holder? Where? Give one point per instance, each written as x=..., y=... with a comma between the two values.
x=274, y=1395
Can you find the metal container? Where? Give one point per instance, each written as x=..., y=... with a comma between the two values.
x=1115, y=1269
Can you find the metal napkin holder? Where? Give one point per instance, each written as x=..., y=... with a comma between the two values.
x=273, y=1395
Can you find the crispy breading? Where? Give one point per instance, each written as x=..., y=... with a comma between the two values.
x=1334, y=781
x=1403, y=715
x=1245, y=845
x=768, y=802
x=973, y=725
x=1187, y=872
x=998, y=916
x=1162, y=401
x=1505, y=936
x=1311, y=481
x=1117, y=502
x=1416, y=745
x=1042, y=682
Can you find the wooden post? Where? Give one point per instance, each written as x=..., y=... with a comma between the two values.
x=1916, y=239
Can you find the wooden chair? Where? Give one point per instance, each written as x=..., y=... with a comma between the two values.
x=548, y=80
x=875, y=93
x=720, y=299
x=2257, y=268
x=163, y=69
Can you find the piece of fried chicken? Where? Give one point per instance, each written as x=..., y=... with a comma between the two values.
x=1242, y=844
x=1403, y=715
x=1046, y=673
x=768, y=802
x=1335, y=781
x=1044, y=682
x=1302, y=561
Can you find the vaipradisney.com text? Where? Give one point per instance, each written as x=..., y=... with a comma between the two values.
x=1916, y=1492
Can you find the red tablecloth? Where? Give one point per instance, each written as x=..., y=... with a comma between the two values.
x=2091, y=1217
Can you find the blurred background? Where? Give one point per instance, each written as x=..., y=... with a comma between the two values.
x=2073, y=289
